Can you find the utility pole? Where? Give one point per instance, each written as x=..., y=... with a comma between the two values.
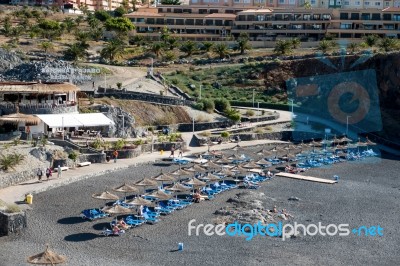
x=253, y=97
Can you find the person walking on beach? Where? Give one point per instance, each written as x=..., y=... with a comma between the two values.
x=59, y=171
x=180, y=152
x=172, y=152
x=115, y=154
x=39, y=174
x=48, y=173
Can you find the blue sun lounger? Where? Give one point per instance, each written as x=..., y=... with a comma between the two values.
x=93, y=214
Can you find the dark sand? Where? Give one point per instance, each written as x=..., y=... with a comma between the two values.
x=368, y=193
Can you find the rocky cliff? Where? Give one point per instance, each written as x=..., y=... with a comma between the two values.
x=386, y=66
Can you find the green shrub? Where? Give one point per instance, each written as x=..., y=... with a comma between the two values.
x=119, y=144
x=17, y=158
x=233, y=115
x=205, y=134
x=73, y=156
x=96, y=144
x=138, y=142
x=225, y=134
x=222, y=104
x=16, y=142
x=249, y=113
x=208, y=105
x=198, y=106
x=7, y=162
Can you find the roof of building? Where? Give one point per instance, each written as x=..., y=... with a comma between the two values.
x=221, y=15
x=391, y=9
x=36, y=87
x=143, y=14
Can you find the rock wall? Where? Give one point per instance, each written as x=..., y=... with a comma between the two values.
x=16, y=178
x=188, y=127
x=12, y=223
x=124, y=122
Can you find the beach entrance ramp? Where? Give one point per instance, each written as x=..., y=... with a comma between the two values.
x=307, y=178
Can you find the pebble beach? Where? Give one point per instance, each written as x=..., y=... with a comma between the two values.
x=367, y=193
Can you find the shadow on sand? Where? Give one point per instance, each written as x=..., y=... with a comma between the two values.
x=71, y=220
x=101, y=226
x=81, y=237
x=162, y=164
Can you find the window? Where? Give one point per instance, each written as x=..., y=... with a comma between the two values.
x=387, y=4
x=313, y=2
x=246, y=1
x=357, y=3
x=377, y=3
x=292, y=2
x=281, y=1
x=236, y=1
x=346, y=3
x=366, y=3
x=194, y=1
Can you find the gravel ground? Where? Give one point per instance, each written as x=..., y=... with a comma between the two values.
x=367, y=194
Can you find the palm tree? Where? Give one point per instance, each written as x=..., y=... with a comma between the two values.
x=307, y=5
x=76, y=51
x=243, y=42
x=172, y=42
x=96, y=33
x=46, y=46
x=221, y=49
x=353, y=46
x=113, y=50
x=82, y=36
x=69, y=24
x=156, y=48
x=296, y=43
x=388, y=44
x=324, y=46
x=165, y=34
x=207, y=46
x=371, y=40
x=188, y=47
x=283, y=47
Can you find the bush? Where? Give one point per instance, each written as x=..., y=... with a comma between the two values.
x=198, y=106
x=6, y=162
x=258, y=130
x=208, y=105
x=119, y=144
x=249, y=113
x=225, y=134
x=73, y=156
x=138, y=142
x=96, y=144
x=205, y=134
x=17, y=158
x=233, y=115
x=222, y=104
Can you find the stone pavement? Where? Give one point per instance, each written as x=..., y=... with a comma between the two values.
x=16, y=194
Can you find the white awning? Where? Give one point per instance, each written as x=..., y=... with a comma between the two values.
x=76, y=120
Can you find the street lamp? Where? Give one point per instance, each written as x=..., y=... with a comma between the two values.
x=200, y=91
x=258, y=110
x=347, y=125
x=253, y=97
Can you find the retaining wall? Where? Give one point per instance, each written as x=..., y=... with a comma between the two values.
x=12, y=223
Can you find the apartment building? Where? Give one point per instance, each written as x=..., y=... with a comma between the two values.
x=224, y=20
x=69, y=4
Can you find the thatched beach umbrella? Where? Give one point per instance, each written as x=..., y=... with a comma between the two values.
x=345, y=139
x=210, y=164
x=47, y=257
x=178, y=187
x=196, y=168
x=195, y=183
x=146, y=182
x=140, y=201
x=116, y=209
x=212, y=178
x=263, y=162
x=180, y=172
x=226, y=172
x=164, y=178
x=223, y=160
x=18, y=117
x=105, y=196
x=125, y=188
x=251, y=165
x=161, y=195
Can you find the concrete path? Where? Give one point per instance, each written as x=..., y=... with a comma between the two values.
x=16, y=194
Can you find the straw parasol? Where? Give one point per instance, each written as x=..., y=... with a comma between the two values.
x=126, y=189
x=18, y=117
x=196, y=168
x=105, y=196
x=226, y=172
x=116, y=209
x=263, y=162
x=212, y=178
x=140, y=201
x=210, y=164
x=195, y=182
x=251, y=165
x=345, y=139
x=161, y=195
x=146, y=182
x=178, y=187
x=164, y=177
x=47, y=257
x=223, y=160
x=180, y=172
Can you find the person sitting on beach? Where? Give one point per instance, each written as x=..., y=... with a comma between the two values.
x=269, y=173
x=122, y=225
x=116, y=230
x=274, y=210
x=197, y=197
